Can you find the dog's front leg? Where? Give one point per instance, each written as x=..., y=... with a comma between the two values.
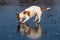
x=26, y=19
x=35, y=18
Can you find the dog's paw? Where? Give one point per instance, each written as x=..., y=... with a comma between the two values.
x=38, y=22
x=23, y=22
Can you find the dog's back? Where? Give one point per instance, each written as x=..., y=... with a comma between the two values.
x=33, y=10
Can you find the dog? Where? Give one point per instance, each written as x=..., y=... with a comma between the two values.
x=32, y=33
x=31, y=12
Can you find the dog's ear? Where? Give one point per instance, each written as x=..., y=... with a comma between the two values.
x=17, y=15
x=26, y=12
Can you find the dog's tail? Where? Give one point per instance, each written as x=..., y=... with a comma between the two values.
x=44, y=9
x=48, y=8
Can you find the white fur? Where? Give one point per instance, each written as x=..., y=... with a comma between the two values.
x=48, y=8
x=33, y=11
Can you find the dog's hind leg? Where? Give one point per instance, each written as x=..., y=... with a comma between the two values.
x=39, y=17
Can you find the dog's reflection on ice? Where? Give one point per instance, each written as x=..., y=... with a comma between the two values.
x=32, y=33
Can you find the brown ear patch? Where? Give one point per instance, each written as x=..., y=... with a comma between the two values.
x=17, y=15
x=27, y=12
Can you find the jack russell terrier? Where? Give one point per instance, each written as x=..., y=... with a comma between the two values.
x=30, y=12
x=29, y=32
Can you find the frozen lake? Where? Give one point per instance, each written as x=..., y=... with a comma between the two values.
x=50, y=23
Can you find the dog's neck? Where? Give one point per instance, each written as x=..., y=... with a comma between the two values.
x=21, y=15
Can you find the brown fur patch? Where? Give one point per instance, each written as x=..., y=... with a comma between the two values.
x=28, y=32
x=26, y=12
x=43, y=9
x=17, y=15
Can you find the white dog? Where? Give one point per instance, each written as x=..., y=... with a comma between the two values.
x=30, y=12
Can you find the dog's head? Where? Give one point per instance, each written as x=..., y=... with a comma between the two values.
x=22, y=15
x=19, y=17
